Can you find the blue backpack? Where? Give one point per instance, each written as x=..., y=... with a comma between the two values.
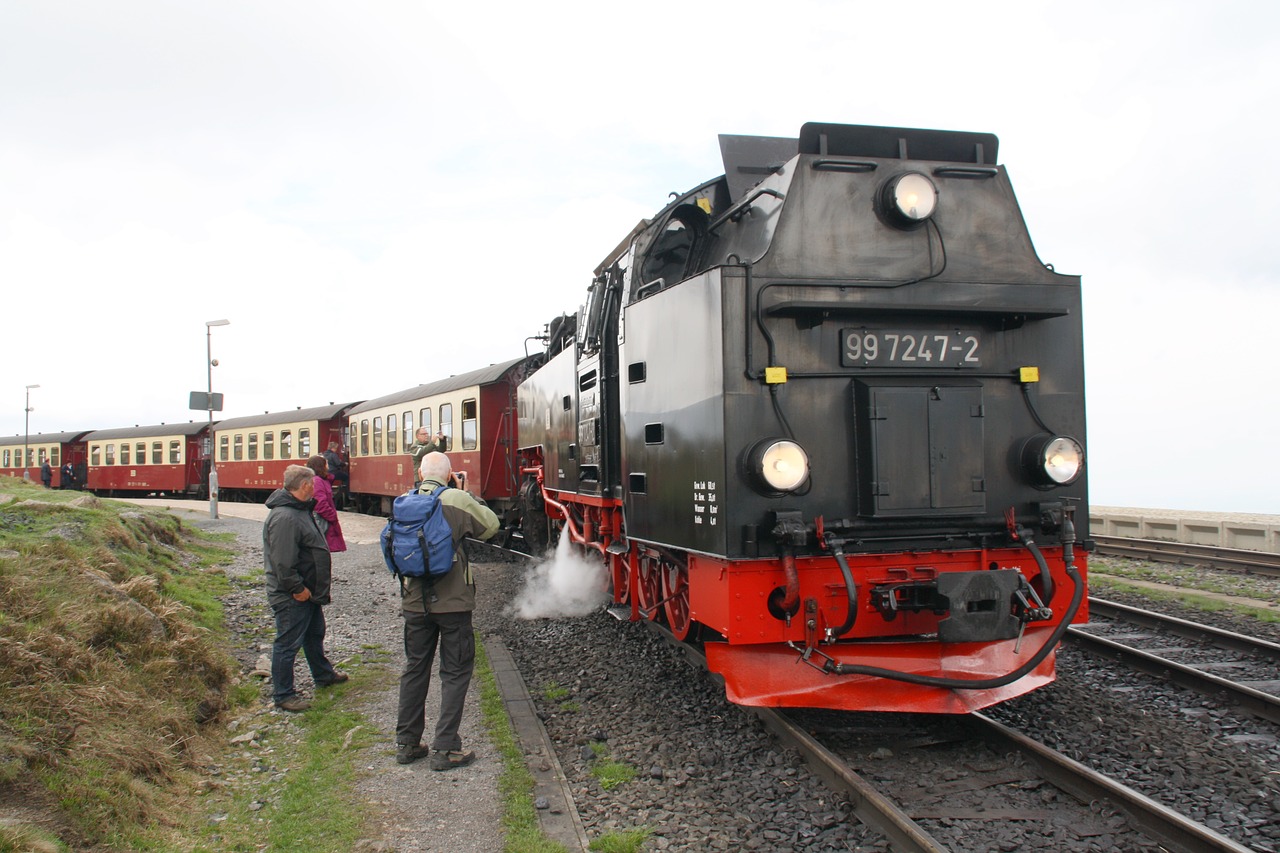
x=417, y=541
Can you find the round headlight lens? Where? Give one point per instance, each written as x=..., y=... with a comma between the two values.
x=783, y=465
x=912, y=197
x=1053, y=460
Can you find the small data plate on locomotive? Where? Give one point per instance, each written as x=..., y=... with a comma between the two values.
x=867, y=347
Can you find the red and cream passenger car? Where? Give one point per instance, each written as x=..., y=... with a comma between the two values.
x=58, y=448
x=252, y=452
x=168, y=458
x=476, y=411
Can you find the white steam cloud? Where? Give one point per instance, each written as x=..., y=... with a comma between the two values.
x=565, y=585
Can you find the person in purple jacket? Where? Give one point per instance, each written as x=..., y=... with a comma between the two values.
x=325, y=509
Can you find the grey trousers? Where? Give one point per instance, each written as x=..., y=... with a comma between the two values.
x=451, y=633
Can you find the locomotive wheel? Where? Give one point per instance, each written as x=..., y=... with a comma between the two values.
x=534, y=524
x=620, y=572
x=650, y=590
x=675, y=598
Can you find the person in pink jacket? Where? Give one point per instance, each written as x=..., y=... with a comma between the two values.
x=325, y=510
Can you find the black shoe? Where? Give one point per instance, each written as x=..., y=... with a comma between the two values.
x=441, y=760
x=407, y=753
x=338, y=678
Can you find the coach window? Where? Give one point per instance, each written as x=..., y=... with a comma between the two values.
x=364, y=437
x=446, y=423
x=391, y=433
x=407, y=426
x=40, y=456
x=304, y=444
x=124, y=452
x=175, y=452
x=222, y=448
x=140, y=454
x=253, y=447
x=424, y=419
x=4, y=460
x=237, y=447
x=377, y=436
x=351, y=438
x=269, y=444
x=286, y=444
x=468, y=424
x=111, y=455
x=157, y=453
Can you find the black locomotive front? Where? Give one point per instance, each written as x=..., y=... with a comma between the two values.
x=830, y=406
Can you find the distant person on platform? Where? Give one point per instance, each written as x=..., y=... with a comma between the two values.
x=338, y=471
x=298, y=580
x=46, y=475
x=325, y=511
x=68, y=477
x=444, y=624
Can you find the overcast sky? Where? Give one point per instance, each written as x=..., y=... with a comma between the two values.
x=380, y=194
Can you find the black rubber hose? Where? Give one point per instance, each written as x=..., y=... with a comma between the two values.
x=1077, y=597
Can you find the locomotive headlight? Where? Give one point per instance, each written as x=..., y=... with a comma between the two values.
x=1053, y=460
x=779, y=464
x=910, y=199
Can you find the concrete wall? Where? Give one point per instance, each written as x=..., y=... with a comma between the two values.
x=1229, y=530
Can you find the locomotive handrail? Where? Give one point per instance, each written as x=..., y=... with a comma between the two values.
x=967, y=171
x=739, y=210
x=844, y=165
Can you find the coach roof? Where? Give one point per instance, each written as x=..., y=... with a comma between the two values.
x=483, y=376
x=189, y=428
x=316, y=413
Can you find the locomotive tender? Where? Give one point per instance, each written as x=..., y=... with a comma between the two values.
x=826, y=413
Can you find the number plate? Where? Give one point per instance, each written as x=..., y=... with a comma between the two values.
x=865, y=347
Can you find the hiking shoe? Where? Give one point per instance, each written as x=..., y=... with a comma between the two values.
x=441, y=760
x=407, y=753
x=294, y=704
x=338, y=678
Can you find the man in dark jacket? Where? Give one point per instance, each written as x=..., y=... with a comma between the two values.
x=444, y=623
x=298, y=581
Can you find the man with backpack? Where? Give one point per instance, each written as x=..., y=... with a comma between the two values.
x=437, y=614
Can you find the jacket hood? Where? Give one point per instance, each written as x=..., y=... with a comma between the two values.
x=282, y=497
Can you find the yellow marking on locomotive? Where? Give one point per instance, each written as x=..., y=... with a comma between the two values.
x=1028, y=374
x=775, y=375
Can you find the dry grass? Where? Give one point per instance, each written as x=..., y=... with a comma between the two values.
x=108, y=666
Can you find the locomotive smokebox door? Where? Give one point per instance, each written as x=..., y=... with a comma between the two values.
x=921, y=445
x=981, y=606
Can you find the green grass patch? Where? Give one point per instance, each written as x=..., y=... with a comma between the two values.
x=515, y=784
x=1100, y=584
x=627, y=841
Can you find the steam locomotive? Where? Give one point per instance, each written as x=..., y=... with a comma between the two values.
x=825, y=414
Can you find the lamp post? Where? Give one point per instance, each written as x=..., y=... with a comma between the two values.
x=209, y=363
x=26, y=438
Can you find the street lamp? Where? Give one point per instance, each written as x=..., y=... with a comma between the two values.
x=26, y=439
x=209, y=363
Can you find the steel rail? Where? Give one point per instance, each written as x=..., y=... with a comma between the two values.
x=1183, y=628
x=1178, y=831
x=1254, y=701
x=1185, y=553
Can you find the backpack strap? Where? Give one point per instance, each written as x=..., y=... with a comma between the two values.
x=428, y=582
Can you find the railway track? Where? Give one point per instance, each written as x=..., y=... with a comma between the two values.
x=1162, y=551
x=899, y=778
x=1157, y=648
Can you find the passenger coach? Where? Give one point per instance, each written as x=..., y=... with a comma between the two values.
x=57, y=447
x=476, y=413
x=252, y=452
x=168, y=458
